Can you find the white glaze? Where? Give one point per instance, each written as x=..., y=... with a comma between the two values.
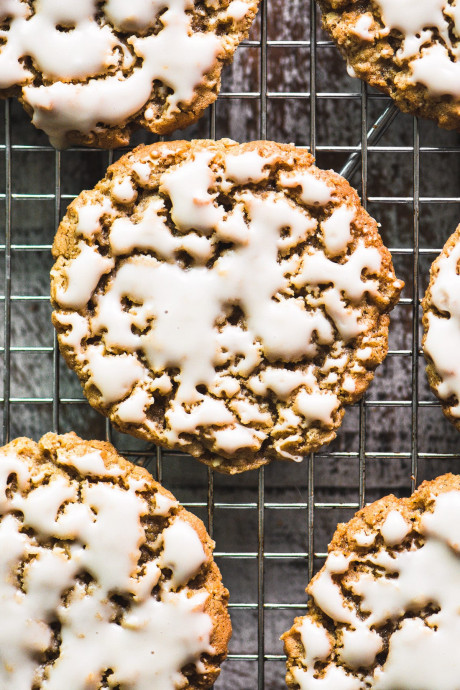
x=132, y=410
x=142, y=172
x=249, y=413
x=151, y=232
x=281, y=381
x=163, y=504
x=444, y=522
x=346, y=277
x=89, y=464
x=57, y=54
x=442, y=341
x=113, y=375
x=317, y=646
x=82, y=275
x=77, y=331
x=422, y=652
x=349, y=384
x=364, y=353
x=395, y=528
x=237, y=10
x=315, y=191
x=89, y=217
x=316, y=405
x=136, y=16
x=153, y=639
x=175, y=55
x=123, y=190
x=337, y=230
x=247, y=167
x=182, y=553
x=315, y=640
x=238, y=436
x=435, y=65
x=362, y=27
x=360, y=647
x=363, y=538
x=334, y=679
x=174, y=312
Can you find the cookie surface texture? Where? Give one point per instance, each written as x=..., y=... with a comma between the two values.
x=223, y=300
x=385, y=608
x=90, y=72
x=441, y=320
x=407, y=48
x=106, y=581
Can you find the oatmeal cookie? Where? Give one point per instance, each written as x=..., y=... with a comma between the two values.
x=221, y=299
x=384, y=611
x=407, y=49
x=105, y=580
x=441, y=320
x=91, y=72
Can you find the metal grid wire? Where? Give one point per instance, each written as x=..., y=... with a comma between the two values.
x=272, y=526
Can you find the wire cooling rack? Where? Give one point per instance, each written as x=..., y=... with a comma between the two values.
x=271, y=527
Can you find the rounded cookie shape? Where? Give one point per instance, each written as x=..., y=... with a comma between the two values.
x=407, y=48
x=441, y=321
x=384, y=611
x=221, y=299
x=91, y=72
x=105, y=580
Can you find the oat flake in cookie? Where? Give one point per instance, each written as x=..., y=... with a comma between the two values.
x=409, y=49
x=105, y=580
x=90, y=72
x=441, y=320
x=385, y=608
x=223, y=300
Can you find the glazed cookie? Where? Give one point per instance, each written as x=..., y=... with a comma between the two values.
x=408, y=49
x=223, y=300
x=441, y=320
x=91, y=72
x=385, y=608
x=105, y=580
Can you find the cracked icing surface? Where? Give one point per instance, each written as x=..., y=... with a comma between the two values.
x=91, y=72
x=385, y=612
x=441, y=320
x=104, y=579
x=227, y=303
x=407, y=48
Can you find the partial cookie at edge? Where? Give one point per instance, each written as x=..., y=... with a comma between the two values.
x=441, y=321
x=408, y=50
x=114, y=578
x=384, y=609
x=90, y=73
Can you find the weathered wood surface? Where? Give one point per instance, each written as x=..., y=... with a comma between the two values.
x=387, y=429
